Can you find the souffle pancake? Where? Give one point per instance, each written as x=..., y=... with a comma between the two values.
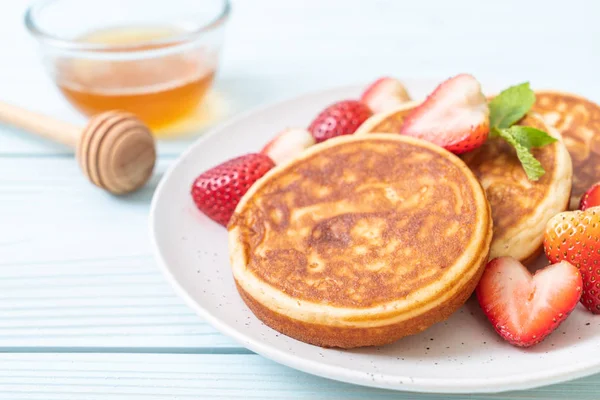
x=578, y=121
x=520, y=207
x=360, y=240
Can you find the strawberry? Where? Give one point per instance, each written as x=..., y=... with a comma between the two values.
x=342, y=118
x=455, y=116
x=288, y=144
x=591, y=198
x=384, y=95
x=574, y=236
x=524, y=309
x=217, y=191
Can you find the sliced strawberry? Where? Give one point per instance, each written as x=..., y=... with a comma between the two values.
x=455, y=116
x=288, y=144
x=574, y=236
x=385, y=94
x=217, y=191
x=524, y=309
x=342, y=118
x=591, y=198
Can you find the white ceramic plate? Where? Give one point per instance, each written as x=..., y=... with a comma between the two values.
x=463, y=354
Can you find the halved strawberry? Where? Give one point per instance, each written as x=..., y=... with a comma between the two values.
x=455, y=116
x=342, y=118
x=574, y=236
x=217, y=191
x=591, y=198
x=524, y=309
x=288, y=144
x=385, y=94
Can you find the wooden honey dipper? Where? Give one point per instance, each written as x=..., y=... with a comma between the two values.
x=115, y=150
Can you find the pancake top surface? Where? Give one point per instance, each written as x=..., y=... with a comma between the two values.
x=513, y=197
x=362, y=222
x=578, y=121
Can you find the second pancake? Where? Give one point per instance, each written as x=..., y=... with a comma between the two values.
x=520, y=207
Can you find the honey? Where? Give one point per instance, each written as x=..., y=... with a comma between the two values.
x=161, y=90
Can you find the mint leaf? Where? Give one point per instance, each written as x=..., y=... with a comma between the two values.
x=511, y=105
x=533, y=168
x=530, y=137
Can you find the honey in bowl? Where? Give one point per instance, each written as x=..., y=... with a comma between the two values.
x=161, y=90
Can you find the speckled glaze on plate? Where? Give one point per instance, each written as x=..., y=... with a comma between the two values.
x=460, y=355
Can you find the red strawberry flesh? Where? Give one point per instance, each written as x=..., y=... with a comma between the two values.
x=455, y=116
x=217, y=191
x=524, y=309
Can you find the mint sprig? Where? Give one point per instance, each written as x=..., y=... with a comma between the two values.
x=508, y=108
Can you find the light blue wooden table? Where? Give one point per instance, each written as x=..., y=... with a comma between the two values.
x=84, y=312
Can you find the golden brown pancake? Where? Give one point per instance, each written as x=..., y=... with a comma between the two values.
x=361, y=240
x=388, y=122
x=578, y=121
x=520, y=207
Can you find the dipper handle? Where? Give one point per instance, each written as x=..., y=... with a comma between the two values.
x=40, y=124
x=115, y=150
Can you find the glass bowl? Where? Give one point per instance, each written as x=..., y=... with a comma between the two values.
x=154, y=59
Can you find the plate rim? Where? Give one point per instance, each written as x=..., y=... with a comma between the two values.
x=293, y=360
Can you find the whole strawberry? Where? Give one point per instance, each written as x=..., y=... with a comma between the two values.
x=217, y=191
x=591, y=198
x=342, y=118
x=574, y=236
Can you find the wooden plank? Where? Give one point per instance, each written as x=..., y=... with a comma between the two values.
x=76, y=268
x=205, y=376
x=348, y=41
